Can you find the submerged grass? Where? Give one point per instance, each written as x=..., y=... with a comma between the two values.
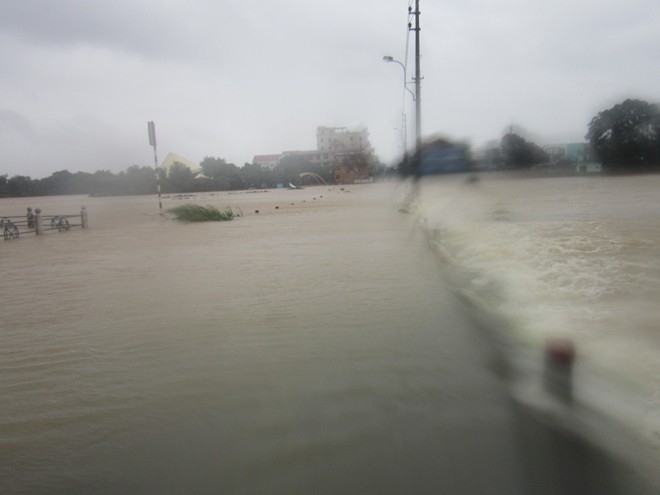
x=196, y=213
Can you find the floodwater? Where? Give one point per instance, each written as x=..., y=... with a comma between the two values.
x=319, y=345
x=308, y=348
x=575, y=257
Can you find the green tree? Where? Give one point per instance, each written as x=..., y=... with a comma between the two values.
x=180, y=178
x=82, y=182
x=223, y=175
x=20, y=185
x=517, y=152
x=139, y=180
x=104, y=183
x=254, y=175
x=3, y=186
x=61, y=182
x=626, y=137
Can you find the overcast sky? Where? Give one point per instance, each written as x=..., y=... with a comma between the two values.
x=79, y=79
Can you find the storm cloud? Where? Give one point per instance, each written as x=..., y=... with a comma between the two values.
x=234, y=79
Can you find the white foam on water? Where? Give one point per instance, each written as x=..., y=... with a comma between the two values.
x=570, y=257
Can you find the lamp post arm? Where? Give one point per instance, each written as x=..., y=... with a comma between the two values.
x=405, y=74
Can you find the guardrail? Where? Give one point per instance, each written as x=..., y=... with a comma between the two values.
x=13, y=227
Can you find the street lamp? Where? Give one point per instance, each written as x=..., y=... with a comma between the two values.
x=404, y=134
x=387, y=58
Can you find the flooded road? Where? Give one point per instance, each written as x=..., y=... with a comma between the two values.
x=308, y=348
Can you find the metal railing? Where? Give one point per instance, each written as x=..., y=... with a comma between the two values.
x=13, y=226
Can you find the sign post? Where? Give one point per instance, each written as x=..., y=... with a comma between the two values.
x=151, y=128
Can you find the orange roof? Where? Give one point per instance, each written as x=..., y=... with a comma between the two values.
x=265, y=158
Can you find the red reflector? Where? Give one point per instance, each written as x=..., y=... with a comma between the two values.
x=560, y=350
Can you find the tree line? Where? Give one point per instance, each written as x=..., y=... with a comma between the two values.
x=216, y=175
x=626, y=137
x=623, y=139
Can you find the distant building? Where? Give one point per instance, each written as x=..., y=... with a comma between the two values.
x=342, y=140
x=556, y=152
x=352, y=168
x=173, y=158
x=572, y=152
x=570, y=158
x=267, y=161
x=310, y=156
x=578, y=152
x=347, y=153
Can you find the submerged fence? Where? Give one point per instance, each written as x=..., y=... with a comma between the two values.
x=13, y=227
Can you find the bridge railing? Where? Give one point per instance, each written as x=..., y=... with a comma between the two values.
x=14, y=226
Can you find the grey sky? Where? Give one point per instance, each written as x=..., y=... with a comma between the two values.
x=79, y=79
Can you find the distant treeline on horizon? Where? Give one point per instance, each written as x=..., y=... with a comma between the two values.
x=623, y=139
x=216, y=175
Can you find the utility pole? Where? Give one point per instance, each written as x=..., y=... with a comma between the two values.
x=151, y=129
x=418, y=94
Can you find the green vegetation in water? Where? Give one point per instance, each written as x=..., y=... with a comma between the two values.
x=196, y=213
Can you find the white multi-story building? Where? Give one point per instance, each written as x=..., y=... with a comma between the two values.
x=342, y=140
x=334, y=146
